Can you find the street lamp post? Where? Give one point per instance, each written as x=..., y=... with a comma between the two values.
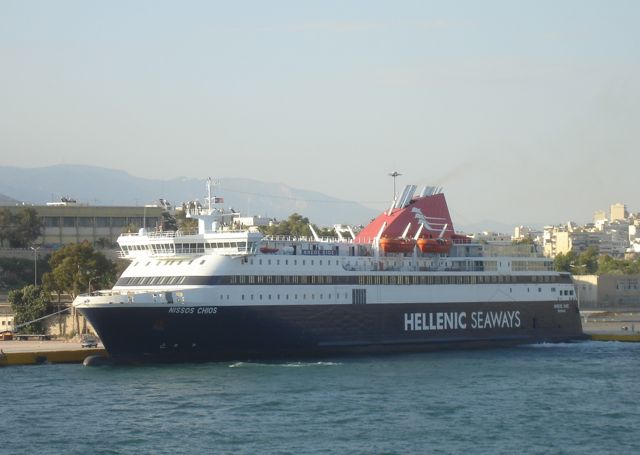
x=35, y=264
x=394, y=174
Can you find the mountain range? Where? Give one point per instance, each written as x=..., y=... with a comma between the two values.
x=101, y=186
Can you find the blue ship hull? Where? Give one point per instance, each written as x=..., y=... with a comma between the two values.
x=178, y=333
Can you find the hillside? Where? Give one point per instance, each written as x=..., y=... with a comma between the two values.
x=6, y=200
x=101, y=186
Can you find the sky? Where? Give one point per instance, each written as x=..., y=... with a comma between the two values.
x=526, y=112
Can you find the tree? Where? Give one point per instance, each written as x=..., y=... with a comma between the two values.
x=608, y=265
x=587, y=262
x=168, y=222
x=183, y=223
x=30, y=303
x=20, y=229
x=565, y=262
x=28, y=226
x=296, y=225
x=16, y=273
x=77, y=265
x=188, y=225
x=324, y=232
x=6, y=222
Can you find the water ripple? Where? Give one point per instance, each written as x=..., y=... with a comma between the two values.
x=567, y=399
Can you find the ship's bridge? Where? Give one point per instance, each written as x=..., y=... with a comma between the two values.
x=175, y=244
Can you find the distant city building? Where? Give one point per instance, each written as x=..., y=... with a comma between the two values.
x=68, y=222
x=550, y=240
x=599, y=216
x=614, y=236
x=618, y=212
x=491, y=237
x=634, y=232
x=250, y=221
x=521, y=232
x=633, y=251
x=525, y=232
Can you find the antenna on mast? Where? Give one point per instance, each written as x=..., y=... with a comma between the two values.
x=209, y=193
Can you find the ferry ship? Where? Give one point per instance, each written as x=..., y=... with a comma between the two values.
x=406, y=282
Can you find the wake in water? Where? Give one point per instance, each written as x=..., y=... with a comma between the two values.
x=283, y=365
x=589, y=344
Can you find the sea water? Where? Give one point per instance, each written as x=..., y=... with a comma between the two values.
x=579, y=398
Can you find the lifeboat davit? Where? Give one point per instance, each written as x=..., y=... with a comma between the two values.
x=397, y=245
x=434, y=245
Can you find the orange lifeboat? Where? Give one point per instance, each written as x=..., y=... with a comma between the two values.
x=268, y=250
x=397, y=245
x=434, y=245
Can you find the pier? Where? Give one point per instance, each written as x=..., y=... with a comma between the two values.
x=611, y=325
x=19, y=352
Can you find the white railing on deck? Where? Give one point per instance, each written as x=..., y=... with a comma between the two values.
x=173, y=234
x=292, y=238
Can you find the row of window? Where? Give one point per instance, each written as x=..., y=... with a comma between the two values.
x=466, y=266
x=358, y=296
x=321, y=296
x=188, y=248
x=531, y=266
x=98, y=221
x=338, y=280
x=460, y=279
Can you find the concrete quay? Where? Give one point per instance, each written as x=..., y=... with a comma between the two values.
x=611, y=325
x=43, y=352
